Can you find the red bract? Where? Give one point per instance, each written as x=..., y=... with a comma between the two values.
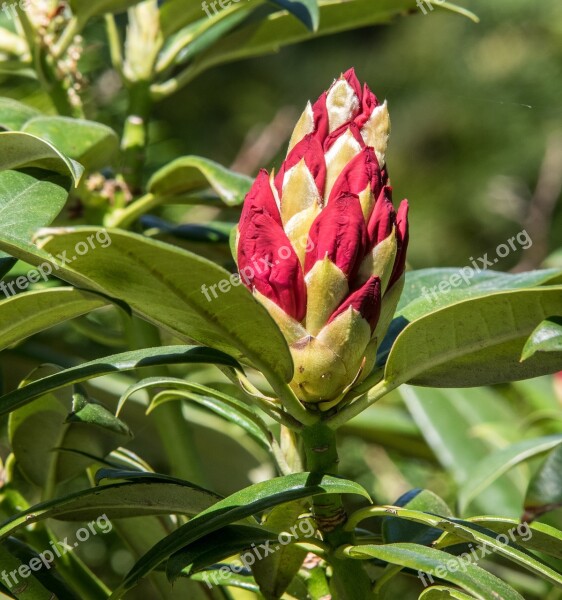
x=332, y=246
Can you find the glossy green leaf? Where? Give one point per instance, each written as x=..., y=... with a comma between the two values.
x=117, y=501
x=274, y=573
x=472, y=579
x=41, y=584
x=278, y=30
x=547, y=337
x=446, y=419
x=215, y=547
x=532, y=536
x=192, y=173
x=476, y=341
x=126, y=361
x=499, y=462
x=229, y=408
x=440, y=592
x=399, y=530
x=28, y=313
x=422, y=295
x=238, y=506
x=545, y=488
x=40, y=433
x=27, y=201
x=305, y=10
x=176, y=290
x=23, y=150
x=488, y=541
x=90, y=143
x=14, y=114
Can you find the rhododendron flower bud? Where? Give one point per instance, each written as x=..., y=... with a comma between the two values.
x=321, y=245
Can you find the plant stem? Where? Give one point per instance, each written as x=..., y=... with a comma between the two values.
x=135, y=134
x=349, y=580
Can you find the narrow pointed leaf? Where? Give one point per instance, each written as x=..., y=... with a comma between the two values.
x=547, y=337
x=29, y=313
x=117, y=501
x=499, y=462
x=126, y=361
x=474, y=579
x=192, y=173
x=238, y=506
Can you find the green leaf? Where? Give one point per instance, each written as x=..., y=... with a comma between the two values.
x=399, y=530
x=117, y=501
x=440, y=592
x=547, y=337
x=39, y=585
x=498, y=463
x=23, y=150
x=278, y=30
x=421, y=295
x=487, y=541
x=176, y=289
x=305, y=10
x=476, y=341
x=39, y=433
x=192, y=173
x=90, y=143
x=545, y=488
x=421, y=292
x=446, y=419
x=28, y=201
x=533, y=536
x=215, y=547
x=85, y=9
x=126, y=361
x=28, y=313
x=472, y=579
x=14, y=114
x=238, y=506
x=231, y=409
x=275, y=573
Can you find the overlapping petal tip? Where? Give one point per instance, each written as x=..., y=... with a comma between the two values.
x=260, y=198
x=309, y=149
x=340, y=234
x=383, y=218
x=366, y=301
x=268, y=263
x=361, y=173
x=403, y=237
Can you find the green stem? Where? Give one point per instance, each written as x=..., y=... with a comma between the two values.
x=124, y=217
x=135, y=134
x=349, y=579
x=358, y=406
